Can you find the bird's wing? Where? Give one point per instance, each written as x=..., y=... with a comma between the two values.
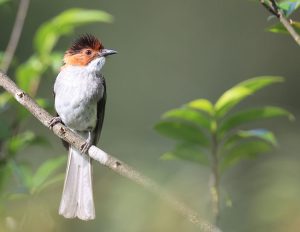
x=100, y=113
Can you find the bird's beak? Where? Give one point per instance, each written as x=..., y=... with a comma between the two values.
x=107, y=52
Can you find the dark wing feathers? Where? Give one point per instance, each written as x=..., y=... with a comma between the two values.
x=100, y=113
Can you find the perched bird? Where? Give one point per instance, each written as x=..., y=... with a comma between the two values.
x=80, y=96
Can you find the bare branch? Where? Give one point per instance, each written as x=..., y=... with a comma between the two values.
x=274, y=9
x=102, y=157
x=15, y=35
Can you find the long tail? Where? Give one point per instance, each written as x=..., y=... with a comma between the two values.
x=77, y=198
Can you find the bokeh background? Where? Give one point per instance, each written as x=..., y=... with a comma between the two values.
x=171, y=52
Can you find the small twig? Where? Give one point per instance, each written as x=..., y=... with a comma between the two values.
x=274, y=9
x=15, y=35
x=103, y=158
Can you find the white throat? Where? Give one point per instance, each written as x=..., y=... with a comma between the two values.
x=96, y=65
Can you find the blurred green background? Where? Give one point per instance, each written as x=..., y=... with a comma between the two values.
x=171, y=52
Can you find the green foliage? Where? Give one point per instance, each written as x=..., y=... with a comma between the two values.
x=198, y=123
x=34, y=183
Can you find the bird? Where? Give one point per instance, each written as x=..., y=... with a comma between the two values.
x=80, y=98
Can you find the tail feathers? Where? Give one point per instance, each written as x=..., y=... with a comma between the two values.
x=77, y=198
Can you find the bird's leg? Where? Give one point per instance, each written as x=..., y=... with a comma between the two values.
x=88, y=143
x=54, y=121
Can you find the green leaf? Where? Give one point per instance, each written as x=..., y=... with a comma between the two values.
x=289, y=6
x=52, y=181
x=279, y=28
x=4, y=1
x=47, y=169
x=63, y=24
x=29, y=73
x=43, y=102
x=4, y=99
x=202, y=105
x=242, y=90
x=5, y=130
x=189, y=152
x=56, y=61
x=23, y=174
x=241, y=135
x=188, y=115
x=182, y=131
x=245, y=150
x=251, y=115
x=22, y=140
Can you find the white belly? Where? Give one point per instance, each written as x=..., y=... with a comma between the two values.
x=77, y=92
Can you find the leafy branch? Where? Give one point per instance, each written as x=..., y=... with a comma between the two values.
x=102, y=157
x=282, y=11
x=209, y=135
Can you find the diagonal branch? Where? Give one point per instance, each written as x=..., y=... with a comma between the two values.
x=287, y=23
x=15, y=35
x=103, y=158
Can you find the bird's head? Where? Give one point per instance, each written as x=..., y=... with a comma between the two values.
x=87, y=50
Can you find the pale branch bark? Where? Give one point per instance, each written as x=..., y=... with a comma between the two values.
x=272, y=7
x=15, y=35
x=102, y=157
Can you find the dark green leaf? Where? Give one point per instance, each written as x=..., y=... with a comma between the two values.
x=4, y=99
x=202, y=105
x=47, y=169
x=240, y=91
x=251, y=115
x=245, y=150
x=23, y=173
x=189, y=152
x=22, y=140
x=48, y=34
x=5, y=130
x=188, y=115
x=182, y=131
x=241, y=135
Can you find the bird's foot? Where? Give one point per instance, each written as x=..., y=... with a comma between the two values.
x=85, y=146
x=54, y=121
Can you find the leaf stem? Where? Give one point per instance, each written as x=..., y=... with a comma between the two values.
x=215, y=179
x=15, y=35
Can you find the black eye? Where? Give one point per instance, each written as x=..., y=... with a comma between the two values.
x=88, y=52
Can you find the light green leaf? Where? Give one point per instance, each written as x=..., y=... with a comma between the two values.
x=47, y=169
x=182, y=131
x=241, y=135
x=242, y=90
x=202, y=105
x=63, y=24
x=52, y=181
x=189, y=152
x=29, y=73
x=56, y=61
x=4, y=1
x=279, y=28
x=251, y=115
x=188, y=115
x=245, y=150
